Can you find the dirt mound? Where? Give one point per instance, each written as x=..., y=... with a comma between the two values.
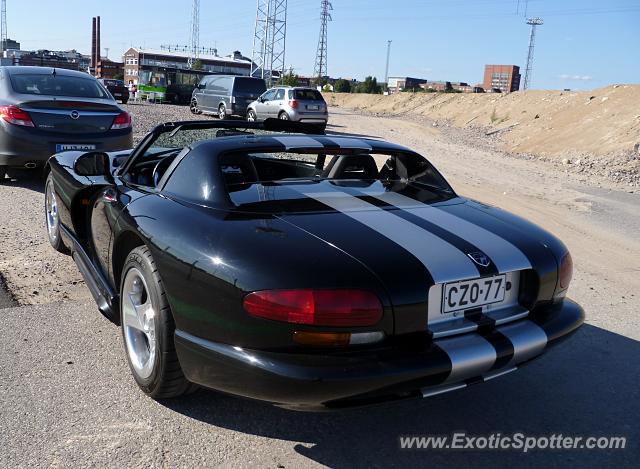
x=564, y=124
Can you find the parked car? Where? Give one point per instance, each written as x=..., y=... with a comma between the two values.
x=45, y=110
x=304, y=270
x=117, y=88
x=225, y=95
x=295, y=104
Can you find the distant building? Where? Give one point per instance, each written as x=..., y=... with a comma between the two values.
x=506, y=78
x=149, y=65
x=109, y=69
x=395, y=84
x=46, y=58
x=10, y=44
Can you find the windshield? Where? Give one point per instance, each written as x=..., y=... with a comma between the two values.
x=57, y=85
x=387, y=167
x=151, y=78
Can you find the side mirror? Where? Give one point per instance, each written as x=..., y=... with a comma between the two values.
x=93, y=164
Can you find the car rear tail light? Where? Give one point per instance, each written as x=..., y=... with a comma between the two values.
x=566, y=272
x=122, y=121
x=16, y=116
x=293, y=104
x=339, y=308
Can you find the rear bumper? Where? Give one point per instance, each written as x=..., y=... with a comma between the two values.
x=309, y=382
x=29, y=147
x=309, y=117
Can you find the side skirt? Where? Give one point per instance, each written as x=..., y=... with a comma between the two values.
x=103, y=294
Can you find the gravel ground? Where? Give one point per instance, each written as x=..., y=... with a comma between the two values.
x=147, y=116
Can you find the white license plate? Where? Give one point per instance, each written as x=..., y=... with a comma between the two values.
x=74, y=147
x=117, y=94
x=313, y=107
x=468, y=294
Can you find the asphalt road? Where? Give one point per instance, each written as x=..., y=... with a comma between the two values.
x=67, y=399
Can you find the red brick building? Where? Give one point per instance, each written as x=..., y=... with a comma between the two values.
x=109, y=69
x=504, y=77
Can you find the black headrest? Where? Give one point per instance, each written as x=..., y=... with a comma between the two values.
x=351, y=167
x=238, y=169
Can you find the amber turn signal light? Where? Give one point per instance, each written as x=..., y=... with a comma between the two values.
x=322, y=339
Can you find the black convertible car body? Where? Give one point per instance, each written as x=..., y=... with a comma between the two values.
x=310, y=271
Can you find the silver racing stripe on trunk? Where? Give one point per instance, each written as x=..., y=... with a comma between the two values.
x=471, y=355
x=505, y=256
x=529, y=340
x=299, y=142
x=444, y=261
x=351, y=143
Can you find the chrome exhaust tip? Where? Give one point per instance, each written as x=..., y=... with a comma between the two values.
x=30, y=165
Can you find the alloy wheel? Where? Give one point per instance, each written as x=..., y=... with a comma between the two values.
x=139, y=323
x=51, y=205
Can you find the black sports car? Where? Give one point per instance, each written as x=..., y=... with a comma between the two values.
x=310, y=271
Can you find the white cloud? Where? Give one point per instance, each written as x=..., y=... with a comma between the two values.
x=566, y=76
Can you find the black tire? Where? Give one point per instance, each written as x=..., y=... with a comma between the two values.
x=52, y=221
x=166, y=379
x=125, y=101
x=193, y=107
x=251, y=115
x=284, y=116
x=222, y=111
x=3, y=172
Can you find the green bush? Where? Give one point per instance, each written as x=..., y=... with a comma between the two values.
x=342, y=86
x=369, y=85
x=290, y=79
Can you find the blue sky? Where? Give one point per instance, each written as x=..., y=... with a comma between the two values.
x=583, y=44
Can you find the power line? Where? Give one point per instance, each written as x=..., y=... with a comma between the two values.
x=534, y=22
x=320, y=68
x=269, y=40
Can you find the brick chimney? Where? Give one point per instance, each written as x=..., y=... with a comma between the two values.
x=98, y=50
x=93, y=44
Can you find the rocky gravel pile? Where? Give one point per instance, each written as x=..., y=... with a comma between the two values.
x=620, y=169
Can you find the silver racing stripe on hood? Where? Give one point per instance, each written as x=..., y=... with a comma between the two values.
x=505, y=256
x=444, y=261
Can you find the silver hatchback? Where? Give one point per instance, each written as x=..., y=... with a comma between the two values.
x=295, y=104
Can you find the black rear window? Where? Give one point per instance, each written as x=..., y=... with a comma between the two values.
x=255, y=86
x=57, y=85
x=114, y=83
x=307, y=95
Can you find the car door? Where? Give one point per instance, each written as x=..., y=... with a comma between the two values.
x=278, y=102
x=263, y=104
x=200, y=94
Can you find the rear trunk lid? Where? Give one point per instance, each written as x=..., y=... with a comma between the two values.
x=71, y=115
x=410, y=238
